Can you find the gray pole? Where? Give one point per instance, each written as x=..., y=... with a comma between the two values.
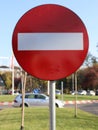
x=73, y=75
x=62, y=89
x=13, y=80
x=76, y=94
x=52, y=105
x=48, y=87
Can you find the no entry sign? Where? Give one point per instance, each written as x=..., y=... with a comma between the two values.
x=50, y=42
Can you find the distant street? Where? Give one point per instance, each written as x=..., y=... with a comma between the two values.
x=91, y=108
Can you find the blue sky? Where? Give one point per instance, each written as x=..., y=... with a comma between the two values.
x=12, y=10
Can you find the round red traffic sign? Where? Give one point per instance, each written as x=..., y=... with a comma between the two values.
x=50, y=42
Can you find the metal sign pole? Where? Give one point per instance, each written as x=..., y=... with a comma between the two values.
x=12, y=67
x=62, y=89
x=75, y=94
x=73, y=82
x=52, y=106
x=48, y=87
x=13, y=80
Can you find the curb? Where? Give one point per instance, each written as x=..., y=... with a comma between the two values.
x=66, y=102
x=6, y=103
x=81, y=102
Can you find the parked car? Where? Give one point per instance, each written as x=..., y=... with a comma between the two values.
x=82, y=92
x=91, y=92
x=97, y=92
x=74, y=92
x=32, y=99
x=15, y=92
x=58, y=92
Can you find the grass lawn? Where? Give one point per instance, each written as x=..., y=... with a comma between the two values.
x=38, y=119
x=79, y=97
x=10, y=98
x=7, y=98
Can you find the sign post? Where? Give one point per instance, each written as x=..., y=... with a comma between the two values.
x=52, y=106
x=75, y=94
x=62, y=90
x=47, y=41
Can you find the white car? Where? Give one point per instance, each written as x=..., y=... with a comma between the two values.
x=91, y=93
x=82, y=92
x=74, y=92
x=58, y=92
x=32, y=99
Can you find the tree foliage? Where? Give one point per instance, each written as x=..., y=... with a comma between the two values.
x=90, y=77
x=32, y=83
x=7, y=77
x=90, y=60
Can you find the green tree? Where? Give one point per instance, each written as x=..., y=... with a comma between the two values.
x=7, y=77
x=32, y=83
x=88, y=77
x=90, y=60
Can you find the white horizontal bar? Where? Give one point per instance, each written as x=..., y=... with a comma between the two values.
x=50, y=41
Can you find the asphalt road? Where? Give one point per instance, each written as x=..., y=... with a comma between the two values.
x=91, y=108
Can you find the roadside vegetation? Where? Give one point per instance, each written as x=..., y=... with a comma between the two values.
x=68, y=97
x=38, y=119
x=7, y=98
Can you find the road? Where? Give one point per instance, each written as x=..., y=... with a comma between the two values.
x=92, y=108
